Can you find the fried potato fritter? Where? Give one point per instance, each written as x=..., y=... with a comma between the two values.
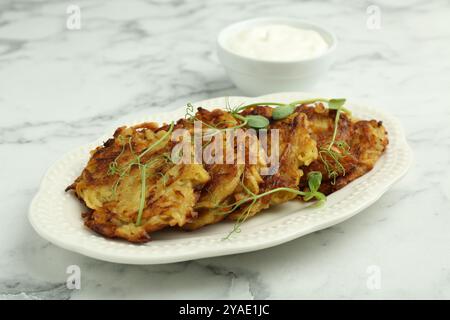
x=113, y=193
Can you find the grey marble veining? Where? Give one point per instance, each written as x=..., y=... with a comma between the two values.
x=60, y=88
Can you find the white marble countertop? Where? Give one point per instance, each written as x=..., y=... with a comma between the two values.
x=60, y=88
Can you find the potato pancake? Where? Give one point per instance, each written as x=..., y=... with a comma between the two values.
x=111, y=185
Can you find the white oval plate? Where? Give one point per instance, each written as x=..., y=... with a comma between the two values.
x=56, y=215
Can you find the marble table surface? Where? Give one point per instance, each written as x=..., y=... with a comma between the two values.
x=61, y=87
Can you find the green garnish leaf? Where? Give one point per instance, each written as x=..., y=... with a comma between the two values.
x=314, y=180
x=282, y=112
x=257, y=121
x=336, y=104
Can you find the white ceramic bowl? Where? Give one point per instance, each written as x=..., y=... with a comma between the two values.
x=257, y=77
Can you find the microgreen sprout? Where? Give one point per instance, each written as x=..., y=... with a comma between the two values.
x=314, y=181
x=335, y=150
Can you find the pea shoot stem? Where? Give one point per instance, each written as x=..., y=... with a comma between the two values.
x=336, y=124
x=314, y=180
x=143, y=169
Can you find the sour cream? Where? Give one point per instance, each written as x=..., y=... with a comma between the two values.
x=277, y=42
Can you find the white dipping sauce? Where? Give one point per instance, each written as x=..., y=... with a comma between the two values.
x=277, y=42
